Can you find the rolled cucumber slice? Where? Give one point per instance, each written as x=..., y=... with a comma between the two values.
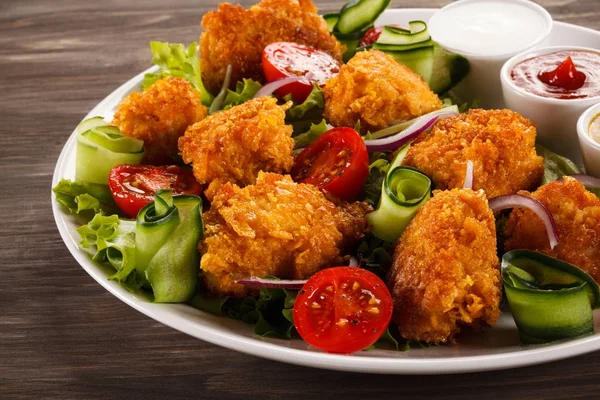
x=405, y=190
x=402, y=37
x=448, y=69
x=331, y=19
x=356, y=15
x=420, y=60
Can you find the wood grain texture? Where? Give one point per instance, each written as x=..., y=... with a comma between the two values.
x=61, y=334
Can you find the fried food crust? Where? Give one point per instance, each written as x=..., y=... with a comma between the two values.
x=445, y=274
x=275, y=227
x=576, y=213
x=233, y=145
x=160, y=114
x=233, y=35
x=376, y=90
x=500, y=143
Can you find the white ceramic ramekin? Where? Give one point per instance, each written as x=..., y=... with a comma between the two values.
x=590, y=149
x=555, y=119
x=482, y=84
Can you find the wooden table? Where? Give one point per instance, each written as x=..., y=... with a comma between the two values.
x=61, y=334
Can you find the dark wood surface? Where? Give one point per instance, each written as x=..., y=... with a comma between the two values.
x=61, y=334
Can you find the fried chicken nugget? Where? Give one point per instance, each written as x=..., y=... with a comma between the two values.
x=445, y=274
x=233, y=145
x=233, y=35
x=275, y=227
x=500, y=143
x=160, y=114
x=376, y=90
x=576, y=213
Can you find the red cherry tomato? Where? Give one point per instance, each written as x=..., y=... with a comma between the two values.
x=133, y=186
x=565, y=76
x=342, y=309
x=337, y=162
x=285, y=59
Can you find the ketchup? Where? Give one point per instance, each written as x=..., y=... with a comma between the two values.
x=565, y=76
x=554, y=75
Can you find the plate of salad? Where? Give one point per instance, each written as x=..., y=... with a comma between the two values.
x=309, y=189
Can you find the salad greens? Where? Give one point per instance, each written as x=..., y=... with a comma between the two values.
x=312, y=134
x=304, y=115
x=174, y=60
x=555, y=166
x=77, y=197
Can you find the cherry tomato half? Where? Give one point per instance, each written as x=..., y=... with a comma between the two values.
x=133, y=186
x=286, y=59
x=337, y=162
x=342, y=309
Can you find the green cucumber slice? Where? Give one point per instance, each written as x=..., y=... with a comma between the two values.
x=356, y=15
x=404, y=191
x=405, y=47
x=93, y=163
x=420, y=60
x=331, y=19
x=448, y=70
x=549, y=299
x=398, y=36
x=89, y=123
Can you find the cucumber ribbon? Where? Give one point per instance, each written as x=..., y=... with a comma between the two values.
x=404, y=191
x=166, y=245
x=99, y=148
x=549, y=298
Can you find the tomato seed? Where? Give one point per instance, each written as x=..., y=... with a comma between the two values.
x=356, y=286
x=317, y=305
x=373, y=310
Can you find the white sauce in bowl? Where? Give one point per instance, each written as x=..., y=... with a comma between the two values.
x=490, y=27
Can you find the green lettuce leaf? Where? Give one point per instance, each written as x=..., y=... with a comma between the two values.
x=306, y=138
x=82, y=198
x=371, y=191
x=114, y=240
x=244, y=91
x=314, y=102
x=174, y=60
x=213, y=305
x=555, y=166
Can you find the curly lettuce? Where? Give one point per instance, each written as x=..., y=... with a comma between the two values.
x=174, y=60
x=81, y=198
x=114, y=239
x=312, y=134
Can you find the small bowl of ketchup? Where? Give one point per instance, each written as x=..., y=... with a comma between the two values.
x=553, y=86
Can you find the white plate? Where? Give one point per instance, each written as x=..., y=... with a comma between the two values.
x=498, y=348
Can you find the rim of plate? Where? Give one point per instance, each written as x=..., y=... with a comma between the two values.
x=257, y=347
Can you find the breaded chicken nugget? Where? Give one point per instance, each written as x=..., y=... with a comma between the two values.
x=160, y=114
x=576, y=213
x=445, y=274
x=233, y=145
x=233, y=35
x=276, y=227
x=499, y=142
x=376, y=90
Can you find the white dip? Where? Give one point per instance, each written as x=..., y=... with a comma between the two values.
x=489, y=27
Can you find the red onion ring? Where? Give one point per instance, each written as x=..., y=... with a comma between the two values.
x=469, y=176
x=353, y=262
x=500, y=203
x=395, y=141
x=271, y=87
x=586, y=180
x=253, y=281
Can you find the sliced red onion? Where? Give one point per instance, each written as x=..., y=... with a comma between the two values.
x=469, y=176
x=587, y=180
x=271, y=87
x=395, y=141
x=353, y=262
x=253, y=281
x=500, y=203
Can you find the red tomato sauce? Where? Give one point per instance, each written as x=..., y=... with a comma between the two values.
x=554, y=76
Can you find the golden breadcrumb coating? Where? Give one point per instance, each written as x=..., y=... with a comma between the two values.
x=376, y=90
x=233, y=145
x=233, y=35
x=160, y=114
x=445, y=274
x=576, y=213
x=500, y=143
x=275, y=227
